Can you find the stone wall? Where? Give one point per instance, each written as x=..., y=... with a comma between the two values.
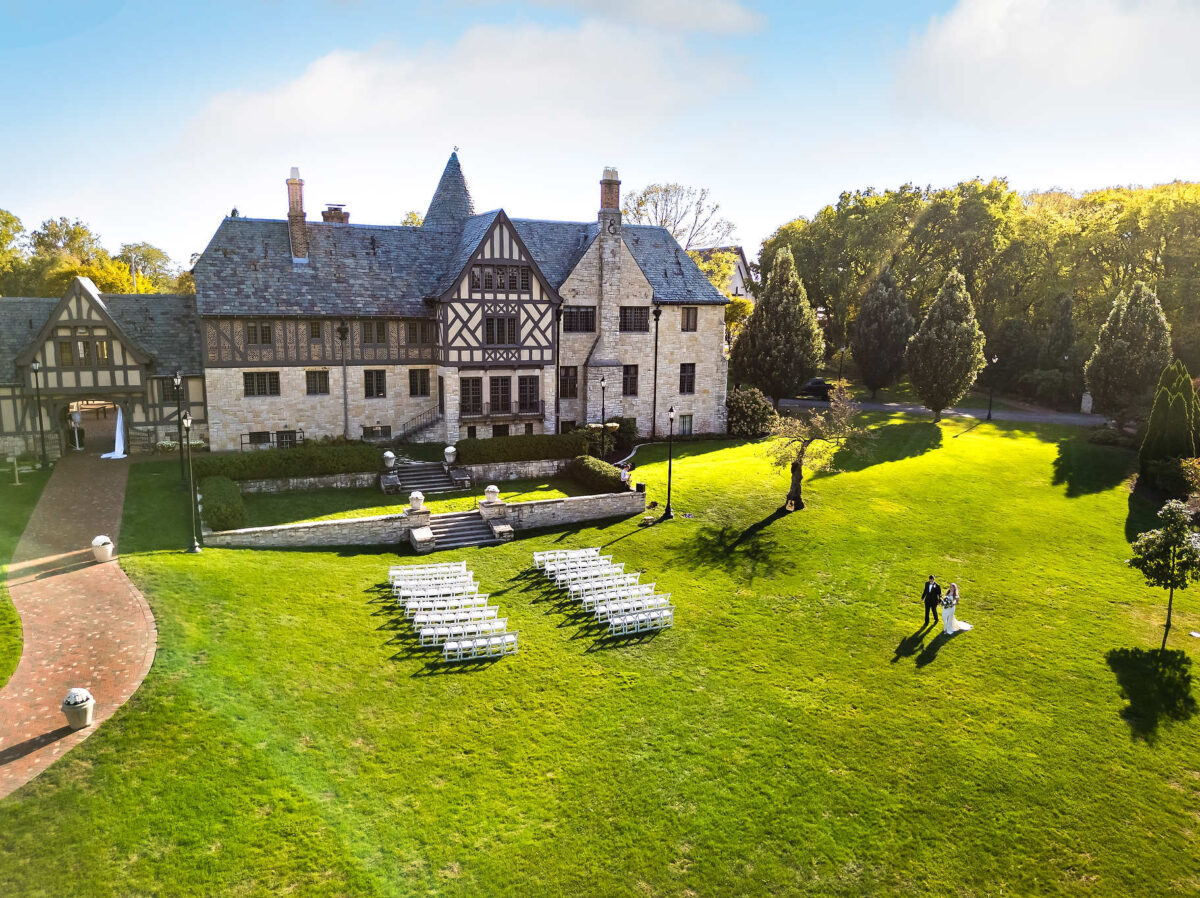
x=380, y=530
x=498, y=472
x=323, y=482
x=572, y=510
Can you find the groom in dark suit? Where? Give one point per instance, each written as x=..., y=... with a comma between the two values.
x=932, y=597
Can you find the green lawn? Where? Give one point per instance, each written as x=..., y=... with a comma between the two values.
x=16, y=504
x=265, y=509
x=793, y=734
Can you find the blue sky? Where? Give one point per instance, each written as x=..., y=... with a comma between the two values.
x=150, y=120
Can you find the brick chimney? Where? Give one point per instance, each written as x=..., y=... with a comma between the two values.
x=610, y=191
x=297, y=229
x=335, y=213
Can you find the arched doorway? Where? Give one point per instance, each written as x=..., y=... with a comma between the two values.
x=97, y=425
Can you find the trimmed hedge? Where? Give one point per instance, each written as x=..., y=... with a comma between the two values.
x=310, y=459
x=222, y=501
x=521, y=448
x=596, y=475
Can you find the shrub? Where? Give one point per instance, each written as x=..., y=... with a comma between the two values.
x=596, y=475
x=750, y=413
x=222, y=501
x=310, y=459
x=1178, y=477
x=1111, y=436
x=522, y=448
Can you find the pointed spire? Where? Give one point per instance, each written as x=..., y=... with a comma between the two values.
x=452, y=203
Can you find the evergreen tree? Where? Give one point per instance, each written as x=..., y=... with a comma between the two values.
x=1171, y=429
x=1133, y=347
x=881, y=334
x=1060, y=334
x=945, y=355
x=780, y=346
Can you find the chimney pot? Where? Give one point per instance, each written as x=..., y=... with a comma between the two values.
x=335, y=213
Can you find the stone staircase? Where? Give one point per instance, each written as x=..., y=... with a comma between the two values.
x=458, y=530
x=428, y=477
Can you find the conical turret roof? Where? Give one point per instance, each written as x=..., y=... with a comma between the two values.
x=452, y=204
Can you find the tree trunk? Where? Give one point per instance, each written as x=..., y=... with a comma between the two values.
x=1167, y=628
x=937, y=415
x=796, y=490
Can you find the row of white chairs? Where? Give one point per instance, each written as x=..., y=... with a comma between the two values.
x=603, y=588
x=540, y=558
x=401, y=571
x=591, y=600
x=641, y=621
x=481, y=647
x=424, y=619
x=466, y=630
x=437, y=591
x=574, y=564
x=418, y=605
x=446, y=608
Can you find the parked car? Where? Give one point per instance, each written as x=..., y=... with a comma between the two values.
x=817, y=388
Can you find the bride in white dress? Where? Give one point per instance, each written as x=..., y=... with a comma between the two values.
x=949, y=603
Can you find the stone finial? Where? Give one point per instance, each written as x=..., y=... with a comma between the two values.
x=450, y=453
x=492, y=493
x=416, y=499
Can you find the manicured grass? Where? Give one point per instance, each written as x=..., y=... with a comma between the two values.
x=793, y=734
x=265, y=509
x=16, y=505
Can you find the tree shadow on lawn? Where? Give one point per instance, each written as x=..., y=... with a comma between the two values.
x=745, y=550
x=1157, y=684
x=1142, y=514
x=1086, y=468
x=886, y=443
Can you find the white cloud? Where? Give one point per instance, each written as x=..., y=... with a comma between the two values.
x=1049, y=62
x=715, y=16
x=537, y=113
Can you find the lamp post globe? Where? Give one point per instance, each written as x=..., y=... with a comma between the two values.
x=178, y=381
x=992, y=384
x=186, y=421
x=669, y=512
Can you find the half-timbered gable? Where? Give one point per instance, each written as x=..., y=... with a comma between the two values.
x=99, y=348
x=499, y=307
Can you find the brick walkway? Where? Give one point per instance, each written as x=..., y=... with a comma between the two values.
x=84, y=624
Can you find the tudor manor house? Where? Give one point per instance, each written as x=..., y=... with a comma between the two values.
x=469, y=325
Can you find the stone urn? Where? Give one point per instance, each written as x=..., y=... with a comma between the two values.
x=389, y=460
x=102, y=548
x=78, y=706
x=416, y=500
x=492, y=493
x=450, y=453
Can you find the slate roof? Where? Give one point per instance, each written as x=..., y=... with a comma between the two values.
x=21, y=317
x=364, y=271
x=451, y=205
x=164, y=326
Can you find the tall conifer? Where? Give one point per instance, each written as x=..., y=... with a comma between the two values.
x=1133, y=348
x=781, y=345
x=881, y=334
x=945, y=355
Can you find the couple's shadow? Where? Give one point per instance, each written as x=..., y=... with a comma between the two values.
x=914, y=644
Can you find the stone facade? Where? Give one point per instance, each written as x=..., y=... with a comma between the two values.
x=233, y=414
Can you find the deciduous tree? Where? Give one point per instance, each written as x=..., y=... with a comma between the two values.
x=781, y=345
x=808, y=441
x=687, y=212
x=1169, y=557
x=945, y=355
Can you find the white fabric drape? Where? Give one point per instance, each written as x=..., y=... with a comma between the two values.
x=119, y=442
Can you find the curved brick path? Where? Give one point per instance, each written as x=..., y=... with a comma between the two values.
x=83, y=624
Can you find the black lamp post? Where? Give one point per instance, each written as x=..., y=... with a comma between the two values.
x=187, y=432
x=343, y=331
x=654, y=392
x=1062, y=388
x=558, y=315
x=841, y=360
x=603, y=432
x=36, y=367
x=178, y=381
x=669, y=514
x=992, y=385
